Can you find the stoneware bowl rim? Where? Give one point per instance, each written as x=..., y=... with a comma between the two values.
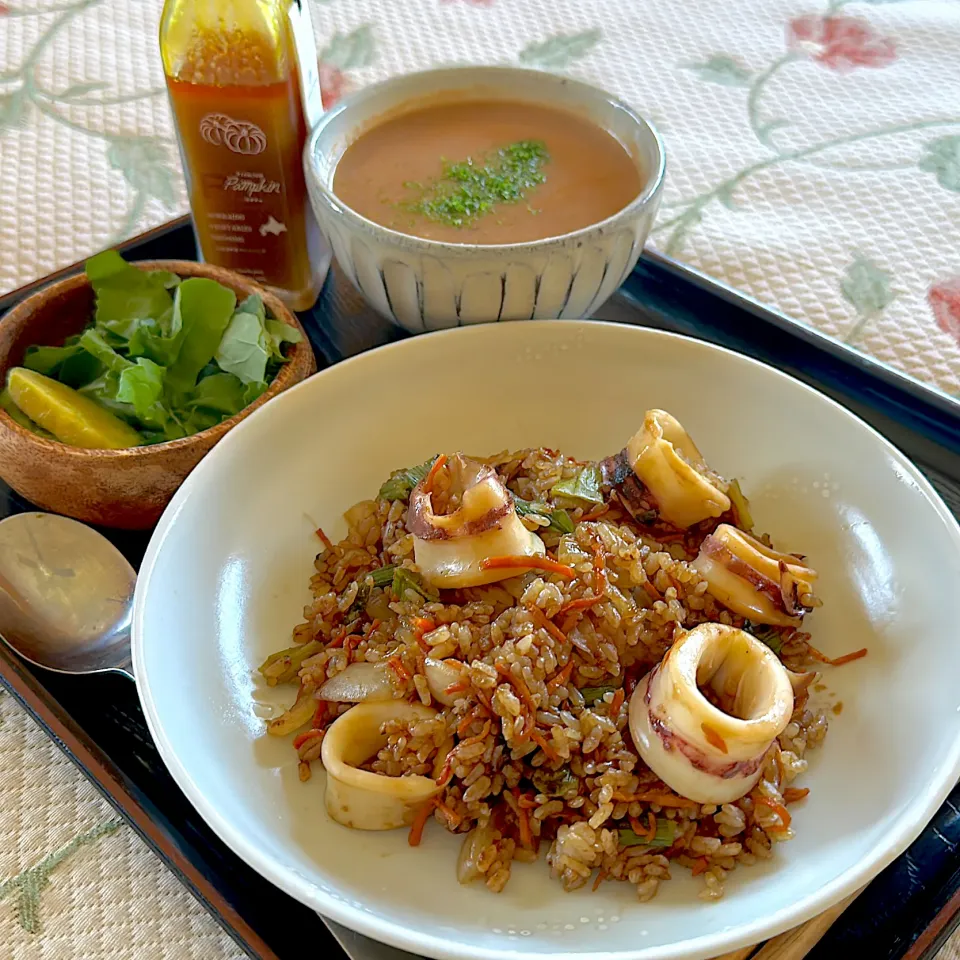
x=462, y=77
x=285, y=378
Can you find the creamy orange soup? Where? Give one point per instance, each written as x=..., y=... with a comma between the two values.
x=486, y=172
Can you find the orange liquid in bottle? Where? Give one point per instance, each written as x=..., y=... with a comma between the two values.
x=236, y=99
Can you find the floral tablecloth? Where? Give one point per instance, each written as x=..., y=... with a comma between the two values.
x=814, y=163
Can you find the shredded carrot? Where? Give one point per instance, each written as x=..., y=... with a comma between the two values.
x=527, y=802
x=597, y=511
x=638, y=828
x=560, y=677
x=778, y=808
x=327, y=542
x=480, y=737
x=302, y=738
x=599, y=571
x=398, y=668
x=675, y=584
x=434, y=470
x=337, y=641
x=584, y=603
x=617, y=702
x=523, y=818
x=714, y=738
x=570, y=622
x=700, y=865
x=453, y=818
x=319, y=715
x=652, y=590
x=793, y=794
x=458, y=686
x=545, y=623
x=446, y=771
x=423, y=624
x=420, y=821
x=652, y=820
x=528, y=563
x=601, y=876
x=521, y=686
x=464, y=725
x=544, y=745
x=838, y=661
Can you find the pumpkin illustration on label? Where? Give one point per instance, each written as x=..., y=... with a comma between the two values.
x=238, y=136
x=212, y=127
x=245, y=138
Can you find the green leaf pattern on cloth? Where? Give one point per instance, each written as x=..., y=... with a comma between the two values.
x=561, y=50
x=30, y=884
x=867, y=287
x=942, y=158
x=723, y=70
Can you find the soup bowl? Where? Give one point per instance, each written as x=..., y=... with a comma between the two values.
x=430, y=285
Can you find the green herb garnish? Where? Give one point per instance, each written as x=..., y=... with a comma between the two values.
x=583, y=485
x=404, y=580
x=170, y=357
x=468, y=189
x=592, y=695
x=380, y=577
x=559, y=519
x=665, y=835
x=766, y=634
x=401, y=482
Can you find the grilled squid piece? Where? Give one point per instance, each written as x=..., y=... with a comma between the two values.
x=702, y=752
x=450, y=549
x=754, y=580
x=360, y=798
x=667, y=462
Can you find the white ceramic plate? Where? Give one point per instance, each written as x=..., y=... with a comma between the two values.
x=226, y=574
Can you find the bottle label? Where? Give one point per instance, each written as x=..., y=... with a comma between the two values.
x=305, y=45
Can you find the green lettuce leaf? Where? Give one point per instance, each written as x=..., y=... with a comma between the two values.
x=141, y=385
x=244, y=350
x=125, y=293
x=204, y=308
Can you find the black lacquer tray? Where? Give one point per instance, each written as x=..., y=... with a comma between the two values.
x=906, y=913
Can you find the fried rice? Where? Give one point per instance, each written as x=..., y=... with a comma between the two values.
x=534, y=751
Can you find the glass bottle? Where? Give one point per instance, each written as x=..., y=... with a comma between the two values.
x=243, y=83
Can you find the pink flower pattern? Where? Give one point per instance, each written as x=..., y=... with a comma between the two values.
x=841, y=43
x=944, y=300
x=333, y=84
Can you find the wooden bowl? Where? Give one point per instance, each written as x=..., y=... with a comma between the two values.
x=126, y=488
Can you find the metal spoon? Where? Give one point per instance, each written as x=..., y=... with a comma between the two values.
x=66, y=595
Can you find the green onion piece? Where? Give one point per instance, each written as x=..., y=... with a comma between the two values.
x=381, y=577
x=559, y=519
x=583, y=485
x=741, y=506
x=664, y=837
x=295, y=655
x=771, y=636
x=404, y=579
x=402, y=482
x=592, y=695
